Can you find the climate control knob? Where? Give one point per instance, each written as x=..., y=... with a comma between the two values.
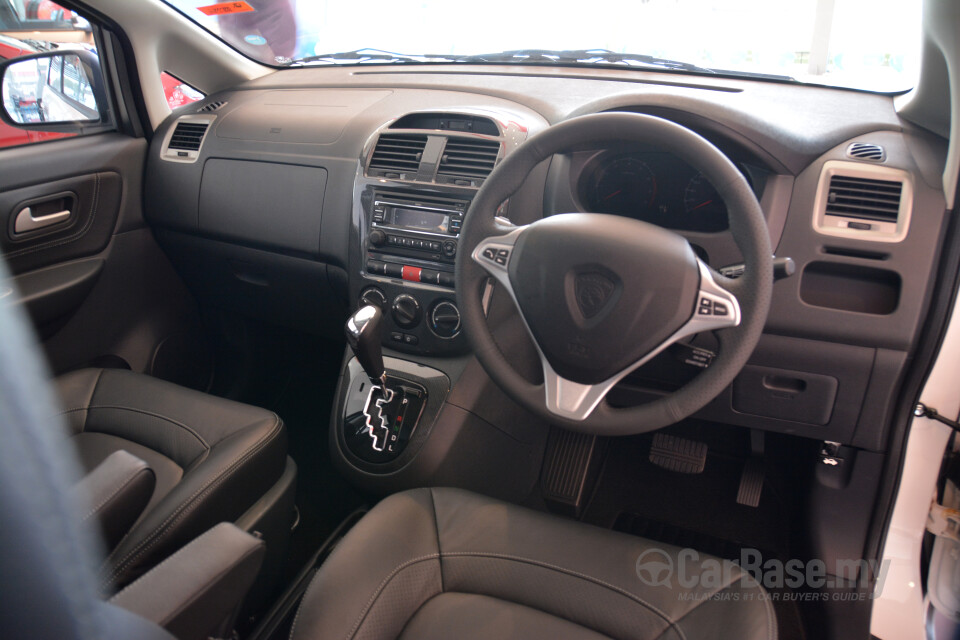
x=445, y=319
x=406, y=311
x=374, y=296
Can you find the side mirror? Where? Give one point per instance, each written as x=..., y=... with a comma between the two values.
x=53, y=91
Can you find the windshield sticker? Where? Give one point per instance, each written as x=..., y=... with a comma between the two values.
x=256, y=40
x=225, y=8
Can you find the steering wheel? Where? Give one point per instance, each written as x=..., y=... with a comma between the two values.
x=601, y=295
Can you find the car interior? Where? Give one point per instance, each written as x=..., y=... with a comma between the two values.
x=461, y=349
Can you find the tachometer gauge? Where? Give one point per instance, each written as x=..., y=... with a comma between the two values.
x=702, y=201
x=627, y=186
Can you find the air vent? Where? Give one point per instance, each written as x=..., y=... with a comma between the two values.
x=213, y=106
x=188, y=136
x=468, y=158
x=183, y=142
x=864, y=198
x=397, y=154
x=866, y=151
x=863, y=201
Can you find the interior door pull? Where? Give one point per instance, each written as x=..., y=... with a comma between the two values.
x=26, y=222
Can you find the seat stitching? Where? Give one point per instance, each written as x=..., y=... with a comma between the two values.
x=115, y=492
x=188, y=505
x=313, y=582
x=383, y=585
x=155, y=415
x=577, y=574
x=436, y=525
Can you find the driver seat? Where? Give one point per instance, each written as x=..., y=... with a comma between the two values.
x=446, y=563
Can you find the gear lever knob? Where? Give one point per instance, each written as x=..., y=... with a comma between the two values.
x=364, y=330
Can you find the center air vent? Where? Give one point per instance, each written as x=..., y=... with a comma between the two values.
x=183, y=143
x=213, y=106
x=467, y=159
x=863, y=201
x=397, y=154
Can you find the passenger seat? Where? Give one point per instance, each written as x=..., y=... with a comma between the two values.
x=215, y=461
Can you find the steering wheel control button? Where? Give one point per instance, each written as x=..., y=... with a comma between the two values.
x=502, y=256
x=490, y=253
x=406, y=311
x=719, y=309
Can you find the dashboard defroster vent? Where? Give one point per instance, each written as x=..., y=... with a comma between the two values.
x=468, y=158
x=188, y=136
x=213, y=106
x=866, y=151
x=863, y=201
x=397, y=153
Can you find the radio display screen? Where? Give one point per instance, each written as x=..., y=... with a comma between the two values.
x=420, y=219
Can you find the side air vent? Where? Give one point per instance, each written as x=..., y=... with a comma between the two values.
x=866, y=151
x=183, y=142
x=863, y=201
x=864, y=198
x=188, y=135
x=213, y=106
x=467, y=159
x=397, y=154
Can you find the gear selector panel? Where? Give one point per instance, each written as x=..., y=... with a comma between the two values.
x=380, y=432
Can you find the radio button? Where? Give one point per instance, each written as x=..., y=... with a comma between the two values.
x=449, y=248
x=429, y=276
x=446, y=279
x=376, y=266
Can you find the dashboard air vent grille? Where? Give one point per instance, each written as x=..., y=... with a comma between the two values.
x=188, y=136
x=866, y=151
x=469, y=158
x=213, y=106
x=864, y=198
x=398, y=153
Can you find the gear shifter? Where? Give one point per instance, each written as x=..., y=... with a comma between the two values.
x=364, y=331
x=391, y=412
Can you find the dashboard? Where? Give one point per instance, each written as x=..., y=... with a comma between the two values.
x=307, y=192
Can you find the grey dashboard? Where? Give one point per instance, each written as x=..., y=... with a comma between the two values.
x=269, y=214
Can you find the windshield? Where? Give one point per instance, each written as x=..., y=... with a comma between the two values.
x=863, y=44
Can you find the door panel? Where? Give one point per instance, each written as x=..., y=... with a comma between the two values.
x=100, y=290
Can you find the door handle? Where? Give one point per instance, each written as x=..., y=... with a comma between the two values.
x=26, y=222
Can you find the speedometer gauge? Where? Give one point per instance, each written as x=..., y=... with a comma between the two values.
x=704, y=208
x=626, y=186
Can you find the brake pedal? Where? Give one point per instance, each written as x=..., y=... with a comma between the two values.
x=678, y=454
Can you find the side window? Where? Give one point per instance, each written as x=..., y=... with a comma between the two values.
x=178, y=93
x=55, y=89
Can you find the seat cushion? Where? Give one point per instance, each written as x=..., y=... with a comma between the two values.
x=449, y=563
x=213, y=457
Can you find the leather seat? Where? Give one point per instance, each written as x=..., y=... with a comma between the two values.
x=213, y=458
x=445, y=563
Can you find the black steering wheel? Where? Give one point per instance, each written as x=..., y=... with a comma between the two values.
x=601, y=295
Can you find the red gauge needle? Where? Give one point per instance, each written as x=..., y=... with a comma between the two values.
x=702, y=205
x=612, y=194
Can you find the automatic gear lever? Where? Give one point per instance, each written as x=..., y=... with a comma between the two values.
x=364, y=330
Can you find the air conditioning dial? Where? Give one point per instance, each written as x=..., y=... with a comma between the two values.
x=445, y=319
x=406, y=311
x=374, y=296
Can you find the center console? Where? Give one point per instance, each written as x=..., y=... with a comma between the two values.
x=402, y=423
